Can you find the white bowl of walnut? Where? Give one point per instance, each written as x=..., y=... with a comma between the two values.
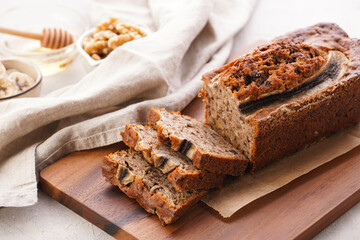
x=97, y=43
x=19, y=78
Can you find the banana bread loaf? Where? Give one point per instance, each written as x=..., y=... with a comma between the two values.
x=284, y=96
x=206, y=148
x=147, y=185
x=182, y=174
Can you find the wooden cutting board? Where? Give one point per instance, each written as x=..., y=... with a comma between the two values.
x=299, y=210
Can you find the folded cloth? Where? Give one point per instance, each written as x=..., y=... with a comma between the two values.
x=161, y=70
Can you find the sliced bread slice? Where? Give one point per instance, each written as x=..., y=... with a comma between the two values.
x=182, y=174
x=147, y=185
x=199, y=142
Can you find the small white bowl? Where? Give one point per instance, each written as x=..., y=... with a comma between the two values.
x=30, y=69
x=87, y=60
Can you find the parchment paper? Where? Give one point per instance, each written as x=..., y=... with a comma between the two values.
x=250, y=187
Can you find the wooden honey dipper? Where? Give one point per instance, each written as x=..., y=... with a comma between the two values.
x=53, y=38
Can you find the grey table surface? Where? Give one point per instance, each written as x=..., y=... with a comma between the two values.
x=49, y=219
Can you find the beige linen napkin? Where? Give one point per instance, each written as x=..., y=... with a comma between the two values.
x=163, y=69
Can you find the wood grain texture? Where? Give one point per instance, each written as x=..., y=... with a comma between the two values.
x=298, y=210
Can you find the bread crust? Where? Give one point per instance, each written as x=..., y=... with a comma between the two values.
x=182, y=179
x=152, y=203
x=214, y=163
x=277, y=132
